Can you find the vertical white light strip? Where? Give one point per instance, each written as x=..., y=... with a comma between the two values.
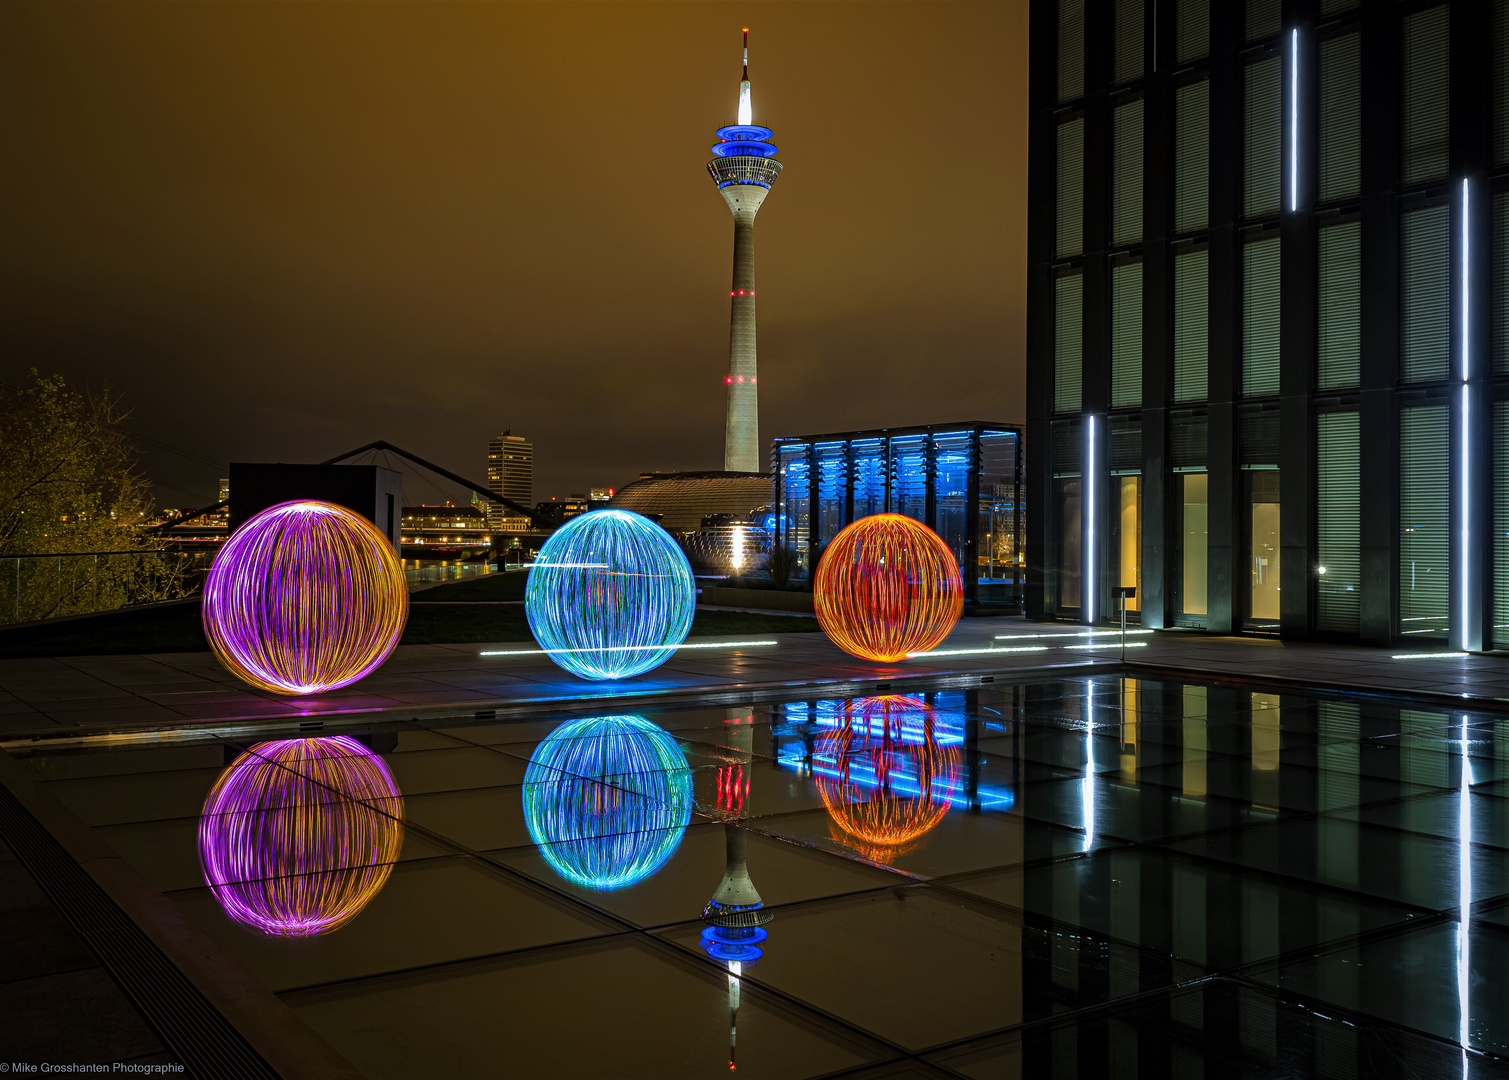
x=1090, y=474
x=1293, y=120
x=1465, y=576
x=1464, y=892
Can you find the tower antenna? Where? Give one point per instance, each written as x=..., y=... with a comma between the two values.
x=746, y=108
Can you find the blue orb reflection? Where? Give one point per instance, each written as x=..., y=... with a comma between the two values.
x=607, y=800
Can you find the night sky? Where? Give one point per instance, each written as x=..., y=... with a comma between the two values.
x=283, y=230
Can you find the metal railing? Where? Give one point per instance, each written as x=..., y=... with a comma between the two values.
x=39, y=587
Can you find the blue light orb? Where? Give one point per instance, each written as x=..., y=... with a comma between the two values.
x=610, y=596
x=607, y=800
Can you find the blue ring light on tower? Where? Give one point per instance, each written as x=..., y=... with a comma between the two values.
x=744, y=140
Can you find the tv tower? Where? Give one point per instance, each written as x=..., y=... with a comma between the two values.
x=744, y=167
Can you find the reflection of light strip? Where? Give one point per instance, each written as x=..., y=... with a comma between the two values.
x=1293, y=120
x=627, y=648
x=1427, y=655
x=1069, y=633
x=975, y=652
x=1090, y=474
x=1466, y=441
x=1464, y=885
x=987, y=798
x=1107, y=645
x=1087, y=784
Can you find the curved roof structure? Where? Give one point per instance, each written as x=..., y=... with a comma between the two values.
x=679, y=501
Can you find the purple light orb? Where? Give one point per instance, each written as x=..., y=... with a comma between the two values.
x=299, y=835
x=306, y=596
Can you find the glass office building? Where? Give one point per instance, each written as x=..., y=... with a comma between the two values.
x=1268, y=316
x=962, y=480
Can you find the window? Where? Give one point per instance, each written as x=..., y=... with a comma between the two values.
x=1126, y=335
x=1263, y=137
x=1191, y=30
x=1071, y=49
x=998, y=572
x=1424, y=521
x=832, y=468
x=1070, y=231
x=1338, y=543
x=1339, y=314
x=1260, y=317
x=1129, y=537
x=909, y=476
x=1263, y=546
x=1192, y=156
x=1425, y=87
x=796, y=507
x=1126, y=180
x=1068, y=450
x=1128, y=40
x=952, y=452
x=1262, y=18
x=869, y=477
x=1194, y=540
x=1340, y=117
x=1501, y=523
x=1500, y=83
x=1500, y=276
x=1426, y=301
x=1068, y=362
x=1191, y=333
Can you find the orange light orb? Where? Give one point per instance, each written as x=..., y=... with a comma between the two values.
x=887, y=586
x=883, y=776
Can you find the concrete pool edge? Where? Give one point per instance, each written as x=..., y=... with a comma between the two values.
x=274, y=1040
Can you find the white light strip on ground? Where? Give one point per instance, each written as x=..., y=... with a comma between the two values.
x=975, y=652
x=1293, y=120
x=626, y=648
x=1427, y=655
x=1107, y=645
x=1090, y=473
x=1070, y=633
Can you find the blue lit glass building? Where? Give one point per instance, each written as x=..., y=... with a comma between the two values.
x=962, y=480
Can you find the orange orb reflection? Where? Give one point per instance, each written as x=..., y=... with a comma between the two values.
x=887, y=780
x=887, y=586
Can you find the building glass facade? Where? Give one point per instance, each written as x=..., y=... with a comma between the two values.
x=1268, y=332
x=964, y=481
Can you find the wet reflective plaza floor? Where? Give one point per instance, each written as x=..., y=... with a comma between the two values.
x=1103, y=876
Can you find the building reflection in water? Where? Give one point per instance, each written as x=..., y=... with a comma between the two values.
x=607, y=800
x=298, y=835
x=735, y=915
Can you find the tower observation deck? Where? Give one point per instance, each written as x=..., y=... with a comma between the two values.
x=743, y=167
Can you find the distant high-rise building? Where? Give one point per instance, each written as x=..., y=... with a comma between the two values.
x=743, y=167
x=223, y=515
x=510, y=473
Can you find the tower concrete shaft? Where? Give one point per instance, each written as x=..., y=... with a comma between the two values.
x=743, y=167
x=741, y=447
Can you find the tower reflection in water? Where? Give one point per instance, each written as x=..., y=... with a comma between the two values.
x=735, y=915
x=298, y=835
x=607, y=800
x=884, y=775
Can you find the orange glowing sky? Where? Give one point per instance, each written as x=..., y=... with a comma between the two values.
x=286, y=229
